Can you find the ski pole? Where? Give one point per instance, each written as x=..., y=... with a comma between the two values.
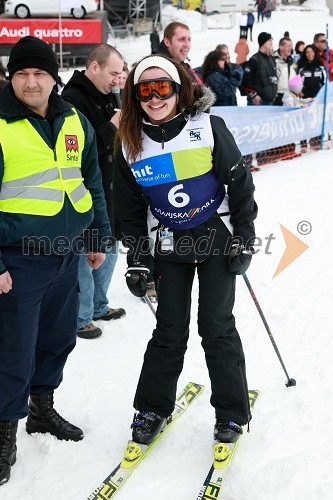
x=149, y=304
x=291, y=381
x=134, y=279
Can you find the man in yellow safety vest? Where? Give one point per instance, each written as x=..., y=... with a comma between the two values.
x=52, y=204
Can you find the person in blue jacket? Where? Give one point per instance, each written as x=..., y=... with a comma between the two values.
x=222, y=77
x=181, y=190
x=51, y=204
x=250, y=22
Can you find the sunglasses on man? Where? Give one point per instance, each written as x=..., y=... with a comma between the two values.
x=162, y=89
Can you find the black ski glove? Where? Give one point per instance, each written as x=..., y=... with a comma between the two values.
x=136, y=279
x=240, y=258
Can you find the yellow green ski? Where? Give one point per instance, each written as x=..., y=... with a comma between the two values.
x=135, y=453
x=223, y=454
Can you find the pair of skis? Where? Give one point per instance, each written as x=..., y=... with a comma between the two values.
x=135, y=453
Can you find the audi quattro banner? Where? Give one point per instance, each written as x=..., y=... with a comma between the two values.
x=71, y=31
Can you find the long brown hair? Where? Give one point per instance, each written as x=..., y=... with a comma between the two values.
x=211, y=63
x=132, y=114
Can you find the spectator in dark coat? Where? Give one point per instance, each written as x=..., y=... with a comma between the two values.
x=268, y=9
x=90, y=91
x=260, y=81
x=299, y=47
x=250, y=23
x=312, y=71
x=260, y=76
x=154, y=40
x=261, y=5
x=319, y=43
x=221, y=78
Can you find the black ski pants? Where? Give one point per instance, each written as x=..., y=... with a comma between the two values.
x=163, y=360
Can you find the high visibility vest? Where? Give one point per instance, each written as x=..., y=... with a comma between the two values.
x=36, y=178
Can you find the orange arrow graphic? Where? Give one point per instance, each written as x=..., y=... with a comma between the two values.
x=294, y=248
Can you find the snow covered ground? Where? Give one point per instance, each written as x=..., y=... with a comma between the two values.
x=288, y=453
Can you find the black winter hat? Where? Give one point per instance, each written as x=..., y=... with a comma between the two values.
x=263, y=37
x=31, y=52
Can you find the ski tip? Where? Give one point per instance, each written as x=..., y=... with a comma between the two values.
x=195, y=385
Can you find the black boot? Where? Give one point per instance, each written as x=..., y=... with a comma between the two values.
x=8, y=429
x=146, y=425
x=43, y=418
x=226, y=432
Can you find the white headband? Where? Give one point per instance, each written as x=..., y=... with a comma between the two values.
x=156, y=62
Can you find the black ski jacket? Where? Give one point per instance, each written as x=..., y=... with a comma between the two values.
x=260, y=76
x=314, y=78
x=99, y=109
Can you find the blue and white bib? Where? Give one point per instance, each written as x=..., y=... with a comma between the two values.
x=179, y=181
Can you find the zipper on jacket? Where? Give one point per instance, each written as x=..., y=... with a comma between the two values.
x=234, y=168
x=163, y=137
x=54, y=154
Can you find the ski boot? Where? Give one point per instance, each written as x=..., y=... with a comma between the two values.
x=146, y=425
x=226, y=431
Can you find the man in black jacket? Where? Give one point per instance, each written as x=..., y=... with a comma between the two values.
x=90, y=91
x=260, y=77
x=154, y=39
x=260, y=82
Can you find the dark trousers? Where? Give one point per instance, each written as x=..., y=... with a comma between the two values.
x=164, y=357
x=243, y=31
x=278, y=100
x=37, y=326
x=150, y=277
x=261, y=13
